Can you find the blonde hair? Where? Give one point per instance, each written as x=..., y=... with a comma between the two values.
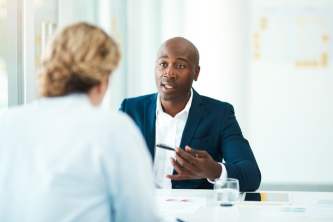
x=75, y=60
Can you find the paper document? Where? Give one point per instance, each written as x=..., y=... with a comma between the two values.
x=302, y=211
x=320, y=200
x=186, y=205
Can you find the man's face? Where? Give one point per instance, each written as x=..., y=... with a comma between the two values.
x=175, y=71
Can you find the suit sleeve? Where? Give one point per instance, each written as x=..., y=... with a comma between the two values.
x=122, y=106
x=240, y=161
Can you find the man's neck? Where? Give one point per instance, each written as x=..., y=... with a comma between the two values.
x=174, y=107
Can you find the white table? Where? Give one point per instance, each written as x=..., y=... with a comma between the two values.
x=242, y=212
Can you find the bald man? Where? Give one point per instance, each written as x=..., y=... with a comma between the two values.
x=179, y=117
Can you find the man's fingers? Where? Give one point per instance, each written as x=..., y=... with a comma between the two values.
x=177, y=167
x=186, y=164
x=200, y=153
x=186, y=156
x=179, y=177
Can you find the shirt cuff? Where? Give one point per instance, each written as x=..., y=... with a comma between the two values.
x=223, y=176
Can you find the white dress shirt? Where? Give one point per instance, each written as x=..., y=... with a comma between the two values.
x=169, y=131
x=61, y=159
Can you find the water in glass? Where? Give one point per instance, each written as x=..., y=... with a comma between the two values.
x=226, y=192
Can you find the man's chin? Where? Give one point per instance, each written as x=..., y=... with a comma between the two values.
x=168, y=98
x=171, y=97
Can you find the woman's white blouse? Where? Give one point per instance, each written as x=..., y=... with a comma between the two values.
x=61, y=159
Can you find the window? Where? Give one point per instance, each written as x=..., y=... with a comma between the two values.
x=3, y=57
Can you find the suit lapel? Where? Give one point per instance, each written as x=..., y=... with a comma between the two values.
x=149, y=123
x=193, y=119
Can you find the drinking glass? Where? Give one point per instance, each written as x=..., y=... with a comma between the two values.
x=226, y=192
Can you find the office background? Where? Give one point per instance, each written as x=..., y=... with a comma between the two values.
x=271, y=59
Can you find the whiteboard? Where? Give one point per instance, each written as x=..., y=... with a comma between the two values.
x=290, y=99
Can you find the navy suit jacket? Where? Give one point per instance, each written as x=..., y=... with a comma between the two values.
x=211, y=126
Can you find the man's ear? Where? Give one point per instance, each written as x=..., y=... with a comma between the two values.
x=197, y=71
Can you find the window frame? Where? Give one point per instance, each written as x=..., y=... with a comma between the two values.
x=20, y=52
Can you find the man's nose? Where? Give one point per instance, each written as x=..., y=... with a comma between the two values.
x=170, y=73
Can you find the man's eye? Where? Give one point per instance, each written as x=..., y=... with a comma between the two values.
x=181, y=66
x=163, y=64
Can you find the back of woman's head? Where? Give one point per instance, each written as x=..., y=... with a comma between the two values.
x=75, y=60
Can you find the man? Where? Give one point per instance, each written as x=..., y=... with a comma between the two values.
x=179, y=117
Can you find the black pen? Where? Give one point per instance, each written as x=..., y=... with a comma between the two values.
x=163, y=146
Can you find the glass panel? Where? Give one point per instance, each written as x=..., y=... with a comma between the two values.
x=46, y=17
x=84, y=10
x=3, y=57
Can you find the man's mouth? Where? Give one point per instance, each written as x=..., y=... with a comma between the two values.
x=167, y=87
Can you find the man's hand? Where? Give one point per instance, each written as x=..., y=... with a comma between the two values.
x=190, y=167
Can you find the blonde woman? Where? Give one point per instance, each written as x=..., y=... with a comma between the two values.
x=65, y=159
